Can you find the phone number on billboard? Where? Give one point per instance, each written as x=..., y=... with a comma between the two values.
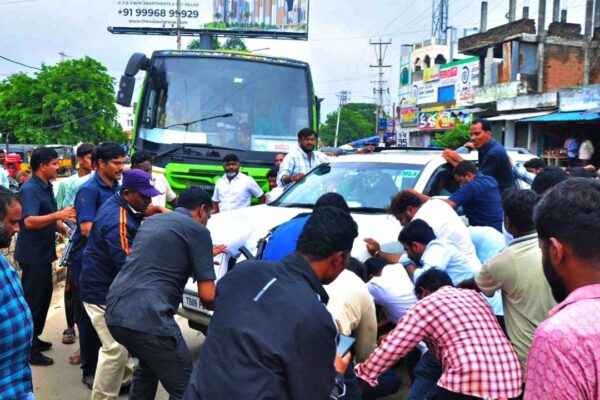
x=149, y=12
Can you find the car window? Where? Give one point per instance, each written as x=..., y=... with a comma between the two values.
x=441, y=182
x=365, y=186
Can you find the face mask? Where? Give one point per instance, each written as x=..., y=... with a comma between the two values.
x=231, y=174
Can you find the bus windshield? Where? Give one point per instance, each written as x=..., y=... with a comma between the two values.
x=240, y=104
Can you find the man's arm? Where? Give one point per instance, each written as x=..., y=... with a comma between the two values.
x=207, y=293
x=374, y=249
x=256, y=191
x=42, y=221
x=118, y=239
x=200, y=249
x=86, y=205
x=400, y=341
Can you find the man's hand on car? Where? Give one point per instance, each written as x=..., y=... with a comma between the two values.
x=372, y=246
x=451, y=156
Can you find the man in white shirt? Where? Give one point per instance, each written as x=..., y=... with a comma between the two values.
x=586, y=151
x=391, y=288
x=301, y=160
x=446, y=224
x=235, y=190
x=143, y=160
x=4, y=181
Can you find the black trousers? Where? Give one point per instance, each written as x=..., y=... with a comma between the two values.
x=37, y=288
x=72, y=302
x=162, y=358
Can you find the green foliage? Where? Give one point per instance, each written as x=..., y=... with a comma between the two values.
x=230, y=44
x=357, y=121
x=454, y=138
x=70, y=102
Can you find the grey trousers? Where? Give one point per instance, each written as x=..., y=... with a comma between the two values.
x=162, y=358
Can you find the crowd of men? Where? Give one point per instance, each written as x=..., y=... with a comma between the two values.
x=504, y=308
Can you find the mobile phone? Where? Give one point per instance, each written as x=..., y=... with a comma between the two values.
x=344, y=344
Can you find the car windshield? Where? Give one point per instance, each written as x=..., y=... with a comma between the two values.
x=367, y=187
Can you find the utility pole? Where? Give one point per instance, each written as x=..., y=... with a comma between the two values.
x=344, y=97
x=380, y=52
x=178, y=24
x=63, y=55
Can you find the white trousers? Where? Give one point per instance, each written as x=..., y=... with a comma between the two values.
x=114, y=368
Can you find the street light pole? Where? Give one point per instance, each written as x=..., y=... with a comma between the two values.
x=343, y=96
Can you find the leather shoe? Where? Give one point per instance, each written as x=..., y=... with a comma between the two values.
x=88, y=381
x=40, y=359
x=42, y=345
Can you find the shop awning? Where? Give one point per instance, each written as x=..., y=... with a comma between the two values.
x=520, y=116
x=564, y=117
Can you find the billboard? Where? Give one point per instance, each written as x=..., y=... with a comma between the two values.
x=464, y=75
x=241, y=18
x=444, y=119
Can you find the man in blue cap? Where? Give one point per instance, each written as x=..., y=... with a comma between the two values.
x=108, y=246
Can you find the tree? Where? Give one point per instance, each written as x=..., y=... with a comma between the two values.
x=353, y=126
x=236, y=44
x=70, y=102
x=454, y=138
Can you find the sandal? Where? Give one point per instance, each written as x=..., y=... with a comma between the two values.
x=68, y=336
x=75, y=359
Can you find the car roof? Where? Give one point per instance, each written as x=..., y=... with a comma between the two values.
x=417, y=156
x=408, y=156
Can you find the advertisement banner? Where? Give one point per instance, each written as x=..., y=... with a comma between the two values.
x=409, y=116
x=464, y=75
x=403, y=139
x=425, y=92
x=245, y=18
x=431, y=74
x=446, y=119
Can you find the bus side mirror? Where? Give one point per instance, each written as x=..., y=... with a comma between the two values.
x=125, y=94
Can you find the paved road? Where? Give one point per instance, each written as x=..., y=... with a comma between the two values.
x=63, y=380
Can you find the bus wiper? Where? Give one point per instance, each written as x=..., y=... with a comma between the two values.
x=185, y=145
x=367, y=210
x=188, y=124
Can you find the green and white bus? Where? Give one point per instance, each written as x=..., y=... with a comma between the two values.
x=196, y=106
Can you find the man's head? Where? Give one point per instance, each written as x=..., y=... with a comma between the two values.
x=279, y=159
x=84, y=156
x=567, y=220
x=415, y=237
x=307, y=138
x=2, y=156
x=464, y=172
x=231, y=165
x=430, y=281
x=138, y=189
x=332, y=200
x=111, y=160
x=547, y=179
x=272, y=178
x=535, y=165
x=197, y=202
x=44, y=163
x=518, y=206
x=404, y=206
x=481, y=133
x=10, y=215
x=375, y=266
x=326, y=242
x=142, y=160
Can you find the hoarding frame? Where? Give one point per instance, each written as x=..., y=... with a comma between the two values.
x=253, y=33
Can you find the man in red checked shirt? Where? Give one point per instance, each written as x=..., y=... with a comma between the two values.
x=462, y=333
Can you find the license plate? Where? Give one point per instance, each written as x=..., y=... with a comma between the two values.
x=193, y=303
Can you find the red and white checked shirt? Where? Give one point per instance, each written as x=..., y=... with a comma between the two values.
x=460, y=329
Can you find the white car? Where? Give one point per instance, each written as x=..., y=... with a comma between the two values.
x=366, y=181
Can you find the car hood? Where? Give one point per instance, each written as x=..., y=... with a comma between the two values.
x=244, y=227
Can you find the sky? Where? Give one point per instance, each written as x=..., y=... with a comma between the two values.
x=35, y=31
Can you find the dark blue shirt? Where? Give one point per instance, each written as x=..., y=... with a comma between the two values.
x=36, y=246
x=283, y=240
x=481, y=202
x=494, y=162
x=90, y=196
x=271, y=336
x=107, y=248
x=168, y=249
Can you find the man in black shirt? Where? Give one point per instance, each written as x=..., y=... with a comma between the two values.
x=36, y=249
x=271, y=336
x=144, y=297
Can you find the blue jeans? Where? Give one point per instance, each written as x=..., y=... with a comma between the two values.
x=427, y=372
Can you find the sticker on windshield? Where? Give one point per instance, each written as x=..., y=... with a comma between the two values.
x=410, y=173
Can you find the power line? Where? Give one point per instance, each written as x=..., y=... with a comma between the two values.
x=16, y=2
x=46, y=128
x=19, y=63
